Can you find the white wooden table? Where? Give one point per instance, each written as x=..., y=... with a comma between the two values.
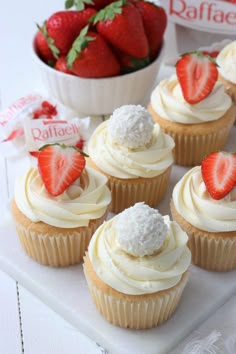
x=26, y=324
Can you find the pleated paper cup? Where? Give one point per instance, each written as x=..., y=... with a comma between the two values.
x=133, y=311
x=53, y=246
x=193, y=142
x=230, y=87
x=128, y=191
x=213, y=251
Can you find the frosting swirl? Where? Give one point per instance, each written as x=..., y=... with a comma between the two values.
x=195, y=205
x=123, y=162
x=226, y=60
x=136, y=275
x=168, y=102
x=85, y=199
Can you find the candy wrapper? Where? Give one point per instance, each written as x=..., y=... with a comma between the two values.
x=45, y=131
x=33, y=121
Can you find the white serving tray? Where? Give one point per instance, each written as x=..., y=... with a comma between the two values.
x=65, y=290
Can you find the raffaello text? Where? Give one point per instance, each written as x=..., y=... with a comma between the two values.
x=54, y=132
x=215, y=14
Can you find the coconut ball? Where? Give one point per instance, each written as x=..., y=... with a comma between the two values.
x=141, y=230
x=131, y=126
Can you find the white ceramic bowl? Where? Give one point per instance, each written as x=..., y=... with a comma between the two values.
x=99, y=96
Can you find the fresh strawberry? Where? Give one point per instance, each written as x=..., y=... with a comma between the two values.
x=128, y=63
x=82, y=4
x=219, y=173
x=197, y=75
x=155, y=22
x=45, y=47
x=122, y=26
x=80, y=144
x=46, y=110
x=59, y=166
x=91, y=57
x=212, y=54
x=64, y=26
x=61, y=65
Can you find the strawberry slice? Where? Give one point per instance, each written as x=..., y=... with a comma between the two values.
x=197, y=75
x=219, y=173
x=59, y=166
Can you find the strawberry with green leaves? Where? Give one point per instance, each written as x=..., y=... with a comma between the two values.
x=64, y=26
x=45, y=46
x=219, y=173
x=91, y=56
x=61, y=65
x=121, y=24
x=197, y=75
x=59, y=166
x=82, y=4
x=155, y=22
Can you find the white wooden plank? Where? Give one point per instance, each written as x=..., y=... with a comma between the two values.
x=44, y=331
x=10, y=338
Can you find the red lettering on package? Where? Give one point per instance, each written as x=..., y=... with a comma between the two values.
x=11, y=111
x=205, y=13
x=54, y=131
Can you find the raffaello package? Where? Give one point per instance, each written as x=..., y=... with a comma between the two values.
x=33, y=121
x=193, y=24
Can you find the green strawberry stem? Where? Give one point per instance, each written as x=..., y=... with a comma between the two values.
x=78, y=45
x=79, y=4
x=64, y=146
x=108, y=12
x=50, y=41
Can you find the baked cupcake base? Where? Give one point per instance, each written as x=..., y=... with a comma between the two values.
x=127, y=192
x=50, y=245
x=132, y=311
x=214, y=251
x=230, y=87
x=193, y=142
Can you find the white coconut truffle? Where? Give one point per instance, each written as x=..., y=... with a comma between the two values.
x=131, y=126
x=141, y=230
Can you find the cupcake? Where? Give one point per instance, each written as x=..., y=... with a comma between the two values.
x=136, y=267
x=58, y=206
x=134, y=154
x=192, y=107
x=226, y=61
x=204, y=205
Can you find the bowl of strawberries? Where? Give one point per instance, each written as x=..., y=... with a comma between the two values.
x=101, y=54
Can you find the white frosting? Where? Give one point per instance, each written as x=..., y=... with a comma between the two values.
x=168, y=102
x=131, y=126
x=193, y=202
x=141, y=230
x=122, y=162
x=139, y=275
x=86, y=199
x=226, y=60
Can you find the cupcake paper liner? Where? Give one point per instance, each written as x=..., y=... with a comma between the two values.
x=127, y=192
x=230, y=87
x=193, y=142
x=133, y=311
x=57, y=247
x=210, y=251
